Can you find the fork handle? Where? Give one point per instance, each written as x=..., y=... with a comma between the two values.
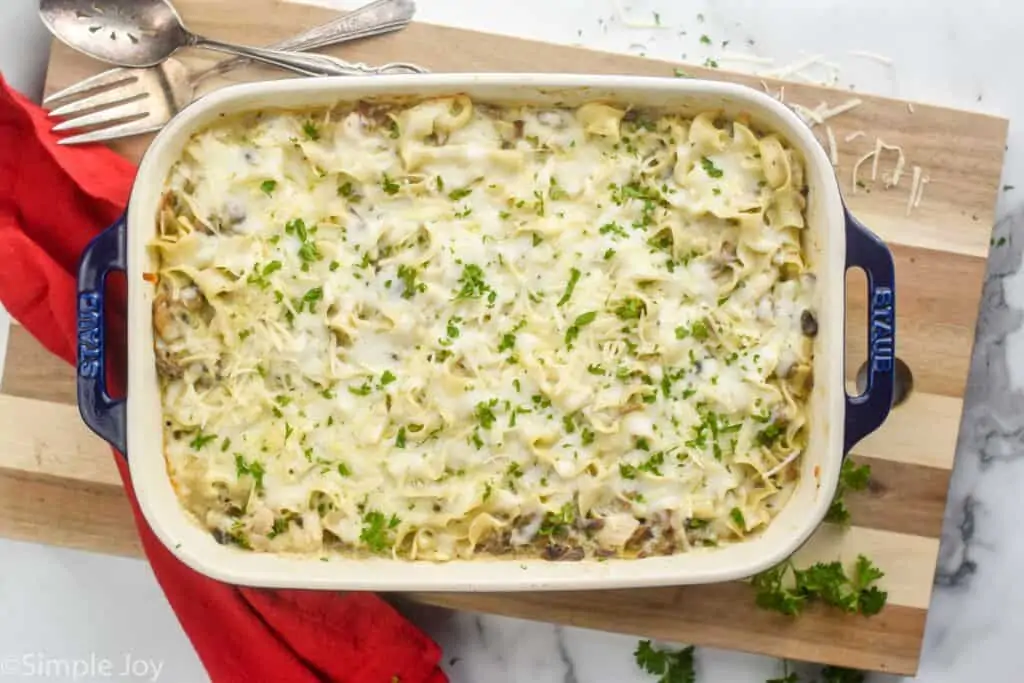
x=376, y=18
x=303, y=63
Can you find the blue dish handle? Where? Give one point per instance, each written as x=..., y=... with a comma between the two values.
x=865, y=413
x=103, y=414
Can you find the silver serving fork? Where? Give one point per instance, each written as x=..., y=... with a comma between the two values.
x=124, y=102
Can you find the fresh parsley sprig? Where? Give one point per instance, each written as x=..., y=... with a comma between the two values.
x=826, y=582
x=852, y=477
x=670, y=666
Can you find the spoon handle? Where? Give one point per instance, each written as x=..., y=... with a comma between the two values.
x=302, y=63
x=376, y=18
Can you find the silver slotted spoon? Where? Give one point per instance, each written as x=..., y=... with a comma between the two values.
x=123, y=102
x=143, y=33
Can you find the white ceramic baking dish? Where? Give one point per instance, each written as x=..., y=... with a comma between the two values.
x=835, y=242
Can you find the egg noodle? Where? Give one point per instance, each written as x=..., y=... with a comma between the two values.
x=445, y=329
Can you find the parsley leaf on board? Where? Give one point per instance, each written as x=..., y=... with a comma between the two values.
x=837, y=674
x=852, y=477
x=670, y=666
x=826, y=582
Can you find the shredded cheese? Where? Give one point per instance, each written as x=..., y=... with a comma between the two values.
x=920, y=190
x=854, y=135
x=846, y=106
x=872, y=56
x=915, y=184
x=856, y=168
x=833, y=154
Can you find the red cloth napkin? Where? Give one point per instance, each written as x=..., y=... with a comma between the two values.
x=53, y=200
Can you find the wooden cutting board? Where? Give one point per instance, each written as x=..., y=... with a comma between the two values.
x=58, y=483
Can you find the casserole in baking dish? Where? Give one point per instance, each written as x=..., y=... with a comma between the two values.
x=509, y=318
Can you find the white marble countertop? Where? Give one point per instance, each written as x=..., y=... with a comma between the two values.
x=948, y=52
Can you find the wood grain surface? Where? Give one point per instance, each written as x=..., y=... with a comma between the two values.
x=58, y=483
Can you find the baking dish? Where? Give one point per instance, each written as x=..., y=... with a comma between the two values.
x=835, y=242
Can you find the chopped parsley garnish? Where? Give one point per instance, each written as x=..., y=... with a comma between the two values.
x=630, y=308
x=298, y=228
x=770, y=434
x=400, y=438
x=343, y=470
x=705, y=40
x=653, y=463
x=311, y=131
x=347, y=190
x=484, y=414
x=669, y=666
x=569, y=424
x=710, y=168
x=581, y=321
x=627, y=471
x=574, y=277
x=201, y=440
x=595, y=369
x=609, y=254
x=472, y=281
x=452, y=329
x=311, y=297
x=613, y=229
x=334, y=266
x=309, y=253
x=363, y=390
x=538, y=206
x=389, y=186
x=557, y=523
x=459, y=193
x=254, y=469
x=259, y=276
x=737, y=516
x=387, y=378
x=587, y=436
x=852, y=477
x=698, y=330
x=556, y=192
x=408, y=275
x=508, y=342
x=376, y=533
x=268, y=187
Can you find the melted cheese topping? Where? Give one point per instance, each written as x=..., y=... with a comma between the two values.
x=446, y=329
